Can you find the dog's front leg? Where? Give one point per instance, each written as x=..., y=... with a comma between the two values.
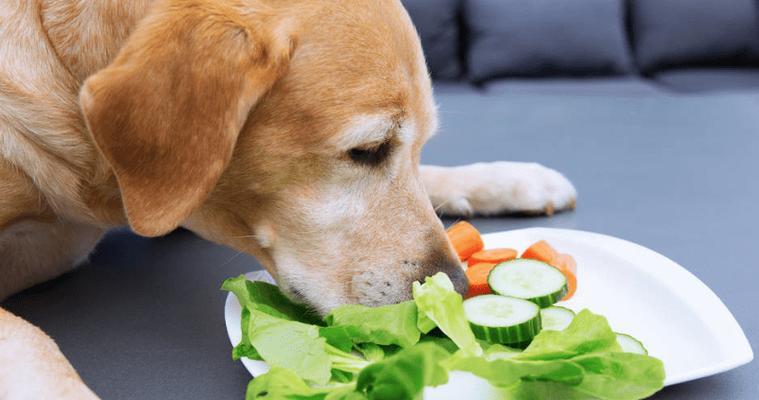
x=32, y=366
x=497, y=188
x=35, y=244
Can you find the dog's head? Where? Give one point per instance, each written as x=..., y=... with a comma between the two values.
x=291, y=131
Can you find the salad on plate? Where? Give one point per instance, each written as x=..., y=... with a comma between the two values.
x=508, y=331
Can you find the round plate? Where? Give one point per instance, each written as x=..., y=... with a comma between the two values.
x=642, y=293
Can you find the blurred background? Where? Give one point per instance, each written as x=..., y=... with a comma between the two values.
x=650, y=107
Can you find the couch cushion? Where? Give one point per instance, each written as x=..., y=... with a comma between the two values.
x=539, y=37
x=598, y=86
x=710, y=79
x=437, y=22
x=691, y=32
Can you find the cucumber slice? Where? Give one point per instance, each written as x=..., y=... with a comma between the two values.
x=556, y=318
x=630, y=344
x=501, y=319
x=528, y=279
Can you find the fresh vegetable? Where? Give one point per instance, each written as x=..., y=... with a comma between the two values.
x=371, y=351
x=404, y=375
x=245, y=348
x=556, y=318
x=478, y=279
x=356, y=353
x=568, y=266
x=528, y=279
x=630, y=344
x=391, y=324
x=265, y=297
x=282, y=383
x=588, y=333
x=582, y=360
x=268, y=299
x=439, y=305
x=465, y=238
x=309, y=359
x=541, y=251
x=492, y=256
x=501, y=319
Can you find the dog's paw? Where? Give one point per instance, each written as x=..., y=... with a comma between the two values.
x=498, y=187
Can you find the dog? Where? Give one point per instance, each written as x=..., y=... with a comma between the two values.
x=289, y=130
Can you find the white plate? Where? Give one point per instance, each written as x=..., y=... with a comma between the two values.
x=679, y=319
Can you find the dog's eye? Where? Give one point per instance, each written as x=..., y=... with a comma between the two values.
x=372, y=155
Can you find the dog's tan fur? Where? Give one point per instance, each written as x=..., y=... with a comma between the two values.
x=232, y=118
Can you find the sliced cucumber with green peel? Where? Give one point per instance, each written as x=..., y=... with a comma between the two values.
x=556, y=318
x=630, y=344
x=500, y=319
x=528, y=279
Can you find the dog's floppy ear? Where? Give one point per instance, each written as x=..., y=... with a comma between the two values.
x=167, y=111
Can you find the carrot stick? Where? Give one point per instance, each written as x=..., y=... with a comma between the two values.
x=466, y=240
x=493, y=256
x=478, y=279
x=541, y=251
x=568, y=266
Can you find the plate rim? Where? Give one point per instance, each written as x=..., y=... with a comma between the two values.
x=741, y=352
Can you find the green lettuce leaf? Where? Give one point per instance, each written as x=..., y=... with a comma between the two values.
x=582, y=361
x=244, y=348
x=606, y=376
x=533, y=390
x=265, y=297
x=405, y=374
x=620, y=376
x=505, y=372
x=439, y=304
x=339, y=336
x=283, y=384
x=384, y=325
x=444, y=342
x=372, y=352
x=292, y=345
x=342, y=376
x=495, y=350
x=587, y=333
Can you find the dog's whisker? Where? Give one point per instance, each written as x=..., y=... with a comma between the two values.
x=225, y=263
x=441, y=205
x=241, y=237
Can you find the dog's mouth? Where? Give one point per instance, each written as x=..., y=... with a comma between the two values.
x=297, y=296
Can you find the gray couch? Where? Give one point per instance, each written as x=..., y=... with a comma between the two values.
x=519, y=67
x=672, y=45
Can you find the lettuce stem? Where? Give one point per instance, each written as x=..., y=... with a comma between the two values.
x=345, y=361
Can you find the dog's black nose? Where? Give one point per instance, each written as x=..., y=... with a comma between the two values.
x=459, y=279
x=452, y=267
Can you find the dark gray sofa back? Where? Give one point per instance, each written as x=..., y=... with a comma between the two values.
x=437, y=22
x=545, y=37
x=684, y=33
x=487, y=39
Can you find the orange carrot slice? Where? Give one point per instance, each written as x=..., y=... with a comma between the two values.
x=541, y=251
x=478, y=279
x=568, y=266
x=465, y=238
x=493, y=256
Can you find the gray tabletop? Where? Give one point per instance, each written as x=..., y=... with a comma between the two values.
x=144, y=318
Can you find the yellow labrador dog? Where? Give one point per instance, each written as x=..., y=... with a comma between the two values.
x=288, y=129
